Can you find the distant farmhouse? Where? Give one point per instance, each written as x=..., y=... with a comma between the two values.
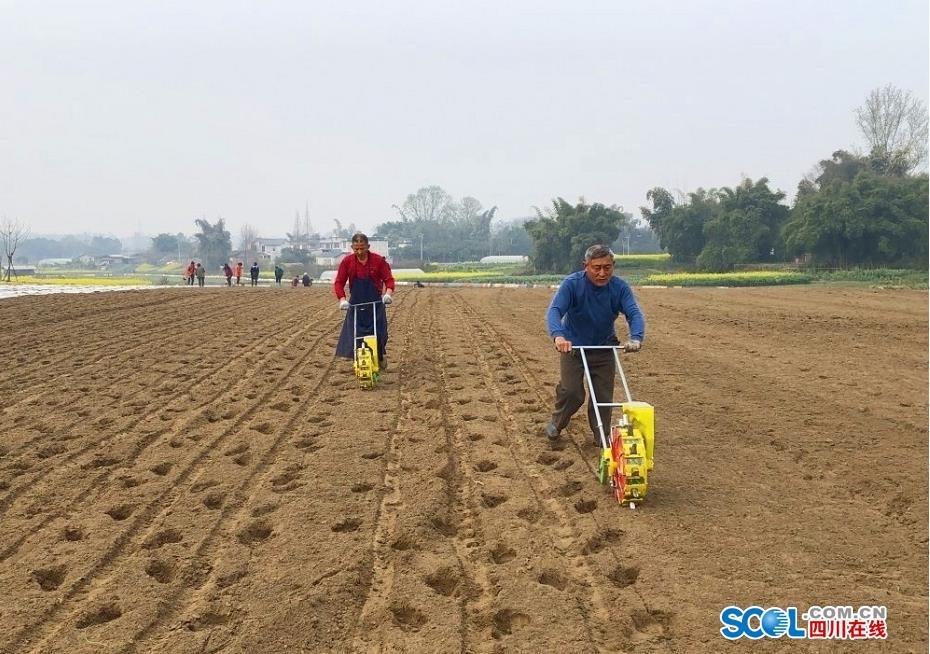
x=327, y=251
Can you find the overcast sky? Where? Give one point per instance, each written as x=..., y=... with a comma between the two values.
x=126, y=116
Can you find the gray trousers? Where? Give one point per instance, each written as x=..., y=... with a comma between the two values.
x=570, y=392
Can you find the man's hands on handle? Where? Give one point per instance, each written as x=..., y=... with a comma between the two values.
x=344, y=304
x=563, y=345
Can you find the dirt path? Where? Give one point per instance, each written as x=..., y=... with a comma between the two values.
x=188, y=470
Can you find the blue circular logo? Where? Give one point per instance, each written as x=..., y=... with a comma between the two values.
x=774, y=623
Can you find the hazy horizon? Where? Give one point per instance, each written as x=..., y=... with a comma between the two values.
x=126, y=118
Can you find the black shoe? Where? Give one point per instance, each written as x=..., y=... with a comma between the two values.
x=551, y=431
x=383, y=364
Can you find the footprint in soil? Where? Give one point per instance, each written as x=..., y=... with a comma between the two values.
x=162, y=570
x=443, y=526
x=237, y=449
x=650, y=623
x=348, y=524
x=553, y=578
x=256, y=532
x=531, y=514
x=100, y=615
x=264, y=428
x=72, y=534
x=491, y=500
x=50, y=578
x=407, y=617
x=585, y=506
x=547, y=458
x=214, y=500
x=444, y=581
x=206, y=620
x=506, y=621
x=121, y=512
x=623, y=576
x=502, y=554
x=403, y=543
x=164, y=537
x=570, y=488
x=601, y=540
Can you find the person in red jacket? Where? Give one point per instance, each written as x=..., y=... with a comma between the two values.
x=191, y=269
x=370, y=279
x=238, y=273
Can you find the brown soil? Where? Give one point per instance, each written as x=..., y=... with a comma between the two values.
x=192, y=470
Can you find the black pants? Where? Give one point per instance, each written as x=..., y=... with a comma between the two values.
x=570, y=391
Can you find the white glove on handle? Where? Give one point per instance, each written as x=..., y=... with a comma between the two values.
x=344, y=304
x=632, y=346
x=387, y=299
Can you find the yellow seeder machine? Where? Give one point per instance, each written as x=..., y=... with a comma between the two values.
x=626, y=445
x=365, y=363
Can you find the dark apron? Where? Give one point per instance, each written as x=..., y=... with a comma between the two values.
x=363, y=290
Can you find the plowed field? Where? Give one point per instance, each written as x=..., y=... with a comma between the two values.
x=191, y=470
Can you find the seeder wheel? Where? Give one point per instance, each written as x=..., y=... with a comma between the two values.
x=618, y=477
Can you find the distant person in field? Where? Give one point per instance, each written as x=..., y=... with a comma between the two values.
x=239, y=274
x=278, y=274
x=201, y=274
x=307, y=280
x=253, y=273
x=228, y=273
x=370, y=279
x=295, y=282
x=582, y=312
x=189, y=273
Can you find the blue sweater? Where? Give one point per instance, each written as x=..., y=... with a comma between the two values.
x=584, y=313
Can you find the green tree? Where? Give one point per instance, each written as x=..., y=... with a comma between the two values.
x=296, y=255
x=433, y=223
x=174, y=246
x=680, y=227
x=510, y=237
x=874, y=219
x=562, y=234
x=214, y=243
x=746, y=228
x=428, y=204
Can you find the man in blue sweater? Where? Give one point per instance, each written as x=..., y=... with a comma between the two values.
x=583, y=312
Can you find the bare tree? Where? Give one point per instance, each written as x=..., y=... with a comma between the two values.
x=12, y=233
x=429, y=204
x=249, y=239
x=894, y=123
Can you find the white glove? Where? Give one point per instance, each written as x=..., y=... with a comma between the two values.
x=632, y=346
x=387, y=299
x=344, y=304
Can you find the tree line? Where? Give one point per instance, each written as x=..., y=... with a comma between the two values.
x=854, y=210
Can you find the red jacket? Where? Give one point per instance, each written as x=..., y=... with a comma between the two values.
x=375, y=268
